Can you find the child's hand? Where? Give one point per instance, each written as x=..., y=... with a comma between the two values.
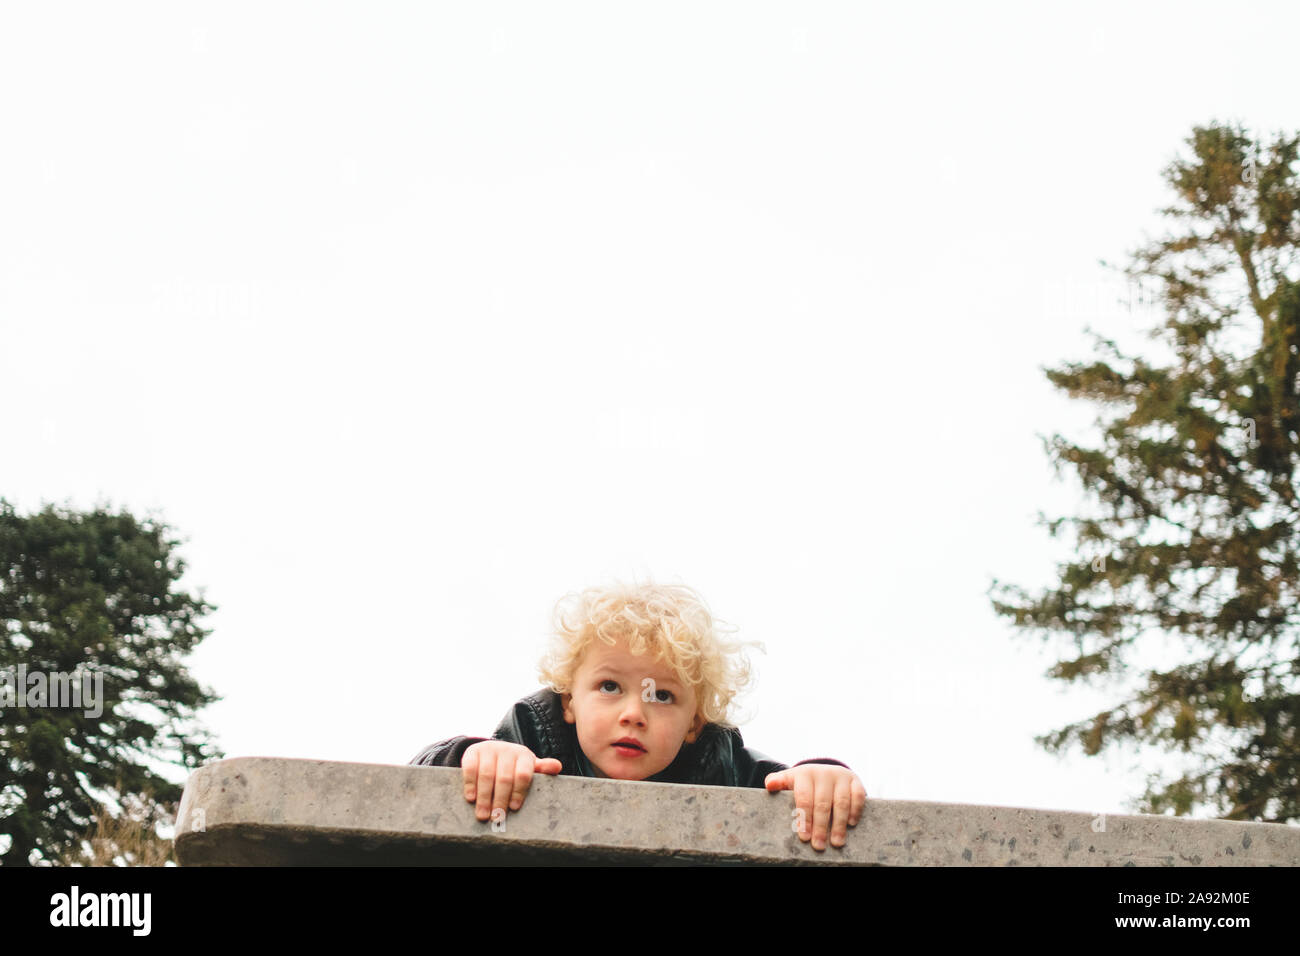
x=498, y=773
x=819, y=789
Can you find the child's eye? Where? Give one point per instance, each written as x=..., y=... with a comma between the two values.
x=664, y=696
x=609, y=683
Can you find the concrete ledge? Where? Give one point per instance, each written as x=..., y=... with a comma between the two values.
x=278, y=811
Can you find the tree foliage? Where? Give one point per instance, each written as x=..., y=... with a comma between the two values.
x=1196, y=533
x=93, y=594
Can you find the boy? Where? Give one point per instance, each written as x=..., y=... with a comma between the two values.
x=640, y=686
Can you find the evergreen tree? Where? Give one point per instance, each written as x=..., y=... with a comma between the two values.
x=90, y=596
x=1195, y=533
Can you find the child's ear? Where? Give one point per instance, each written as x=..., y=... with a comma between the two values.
x=696, y=726
x=567, y=701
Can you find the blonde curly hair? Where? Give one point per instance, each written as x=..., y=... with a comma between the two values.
x=669, y=621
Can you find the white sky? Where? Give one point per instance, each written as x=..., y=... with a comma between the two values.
x=413, y=318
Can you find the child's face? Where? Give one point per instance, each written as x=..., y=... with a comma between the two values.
x=608, y=706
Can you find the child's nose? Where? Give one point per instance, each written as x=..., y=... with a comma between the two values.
x=633, y=712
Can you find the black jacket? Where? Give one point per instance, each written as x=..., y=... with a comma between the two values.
x=718, y=758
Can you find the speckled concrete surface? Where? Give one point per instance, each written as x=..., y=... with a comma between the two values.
x=280, y=811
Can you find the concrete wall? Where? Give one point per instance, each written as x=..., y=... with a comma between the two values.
x=277, y=811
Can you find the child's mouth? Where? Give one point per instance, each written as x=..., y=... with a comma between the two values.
x=629, y=748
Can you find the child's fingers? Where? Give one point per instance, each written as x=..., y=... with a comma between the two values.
x=823, y=805
x=843, y=802
x=859, y=801
x=487, y=770
x=526, y=766
x=523, y=778
x=548, y=765
x=469, y=772
x=776, y=782
x=803, y=801
x=506, y=781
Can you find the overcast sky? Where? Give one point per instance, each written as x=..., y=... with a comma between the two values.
x=412, y=318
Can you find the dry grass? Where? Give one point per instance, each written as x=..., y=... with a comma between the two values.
x=129, y=838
